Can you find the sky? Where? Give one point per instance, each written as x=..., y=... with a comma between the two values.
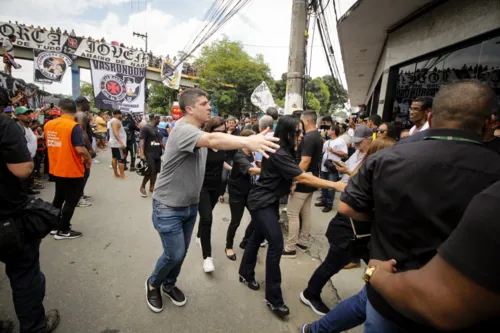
x=263, y=27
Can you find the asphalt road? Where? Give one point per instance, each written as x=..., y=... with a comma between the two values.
x=97, y=281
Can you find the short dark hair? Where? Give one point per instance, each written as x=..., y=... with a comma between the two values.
x=247, y=132
x=336, y=129
x=273, y=112
x=327, y=118
x=213, y=123
x=468, y=103
x=376, y=119
x=297, y=113
x=67, y=105
x=426, y=102
x=344, y=126
x=11, y=36
x=189, y=96
x=311, y=115
x=81, y=100
x=116, y=112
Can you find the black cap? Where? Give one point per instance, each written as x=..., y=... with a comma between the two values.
x=82, y=99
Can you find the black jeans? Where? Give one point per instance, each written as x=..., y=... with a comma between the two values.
x=335, y=260
x=130, y=150
x=68, y=191
x=237, y=205
x=267, y=226
x=86, y=176
x=28, y=288
x=208, y=200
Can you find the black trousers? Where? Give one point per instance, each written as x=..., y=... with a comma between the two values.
x=130, y=149
x=68, y=191
x=208, y=200
x=267, y=226
x=237, y=205
x=28, y=288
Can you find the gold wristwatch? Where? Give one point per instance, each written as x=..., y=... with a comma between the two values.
x=368, y=273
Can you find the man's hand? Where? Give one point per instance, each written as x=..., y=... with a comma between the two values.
x=123, y=146
x=342, y=168
x=388, y=266
x=262, y=144
x=88, y=164
x=292, y=189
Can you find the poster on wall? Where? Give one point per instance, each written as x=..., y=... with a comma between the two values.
x=118, y=87
x=50, y=66
x=170, y=74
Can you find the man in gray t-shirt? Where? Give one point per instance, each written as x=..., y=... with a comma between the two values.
x=177, y=189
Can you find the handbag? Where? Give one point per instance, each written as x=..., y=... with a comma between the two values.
x=39, y=218
x=358, y=244
x=328, y=164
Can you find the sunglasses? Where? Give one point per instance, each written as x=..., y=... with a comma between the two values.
x=381, y=131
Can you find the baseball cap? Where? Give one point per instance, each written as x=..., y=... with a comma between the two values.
x=80, y=99
x=21, y=110
x=7, y=109
x=360, y=133
x=54, y=113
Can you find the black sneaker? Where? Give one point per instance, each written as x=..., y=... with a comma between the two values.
x=306, y=328
x=7, y=326
x=302, y=247
x=327, y=210
x=288, y=254
x=70, y=234
x=254, y=285
x=153, y=298
x=52, y=320
x=133, y=169
x=320, y=204
x=175, y=294
x=281, y=311
x=315, y=304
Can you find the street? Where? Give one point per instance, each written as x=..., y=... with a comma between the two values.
x=97, y=281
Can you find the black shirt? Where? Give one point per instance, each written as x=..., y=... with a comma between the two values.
x=412, y=220
x=470, y=247
x=276, y=177
x=13, y=150
x=493, y=145
x=213, y=169
x=152, y=141
x=230, y=153
x=241, y=181
x=312, y=146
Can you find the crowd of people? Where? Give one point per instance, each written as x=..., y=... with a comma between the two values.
x=416, y=204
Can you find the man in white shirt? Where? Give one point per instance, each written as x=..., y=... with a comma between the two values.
x=419, y=113
x=334, y=149
x=8, y=55
x=264, y=122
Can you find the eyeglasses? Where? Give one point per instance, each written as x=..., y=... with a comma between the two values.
x=381, y=131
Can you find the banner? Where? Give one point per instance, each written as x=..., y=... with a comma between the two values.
x=34, y=38
x=170, y=77
x=50, y=66
x=262, y=97
x=118, y=87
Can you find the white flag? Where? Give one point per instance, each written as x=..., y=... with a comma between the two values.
x=262, y=97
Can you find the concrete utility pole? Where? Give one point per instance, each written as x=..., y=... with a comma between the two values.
x=296, y=57
x=145, y=37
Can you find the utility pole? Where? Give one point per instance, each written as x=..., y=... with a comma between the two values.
x=145, y=37
x=296, y=57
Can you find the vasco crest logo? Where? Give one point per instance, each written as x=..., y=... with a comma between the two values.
x=52, y=65
x=113, y=87
x=132, y=89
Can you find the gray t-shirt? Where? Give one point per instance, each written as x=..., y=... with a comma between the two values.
x=183, y=167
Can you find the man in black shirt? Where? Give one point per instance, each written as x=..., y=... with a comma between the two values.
x=419, y=190
x=459, y=288
x=131, y=129
x=151, y=142
x=299, y=201
x=22, y=268
x=491, y=141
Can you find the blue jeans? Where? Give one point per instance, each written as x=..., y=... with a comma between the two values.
x=375, y=323
x=329, y=194
x=175, y=226
x=346, y=315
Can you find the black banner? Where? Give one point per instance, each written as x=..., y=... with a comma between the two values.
x=50, y=66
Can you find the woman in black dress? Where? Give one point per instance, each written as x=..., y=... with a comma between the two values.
x=277, y=175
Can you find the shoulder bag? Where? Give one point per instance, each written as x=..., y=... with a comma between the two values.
x=358, y=244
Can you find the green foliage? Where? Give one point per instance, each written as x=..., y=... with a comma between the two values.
x=160, y=98
x=86, y=89
x=232, y=74
x=321, y=93
x=312, y=103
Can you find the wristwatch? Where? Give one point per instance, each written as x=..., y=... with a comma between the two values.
x=368, y=273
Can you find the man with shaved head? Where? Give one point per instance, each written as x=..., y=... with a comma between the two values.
x=264, y=123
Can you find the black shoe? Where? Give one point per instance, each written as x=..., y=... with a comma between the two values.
x=232, y=257
x=70, y=234
x=32, y=192
x=254, y=285
x=288, y=254
x=306, y=328
x=153, y=297
x=176, y=295
x=315, y=304
x=52, y=320
x=281, y=311
x=326, y=209
x=7, y=326
x=243, y=244
x=320, y=204
x=302, y=247
x=133, y=169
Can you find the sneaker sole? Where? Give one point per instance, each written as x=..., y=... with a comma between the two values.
x=143, y=195
x=289, y=256
x=306, y=302
x=303, y=250
x=53, y=233
x=209, y=270
x=65, y=237
x=152, y=308
x=179, y=304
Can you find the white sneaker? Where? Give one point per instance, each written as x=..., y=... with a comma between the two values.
x=198, y=241
x=110, y=166
x=208, y=265
x=83, y=203
x=94, y=161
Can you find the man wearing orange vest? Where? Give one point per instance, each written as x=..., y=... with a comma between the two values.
x=67, y=155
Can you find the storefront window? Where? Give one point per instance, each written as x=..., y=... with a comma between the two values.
x=489, y=65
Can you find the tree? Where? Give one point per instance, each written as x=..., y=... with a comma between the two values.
x=160, y=98
x=86, y=89
x=231, y=74
x=338, y=95
x=321, y=92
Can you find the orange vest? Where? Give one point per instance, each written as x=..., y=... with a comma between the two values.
x=64, y=161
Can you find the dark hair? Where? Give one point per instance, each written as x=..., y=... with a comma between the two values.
x=247, y=132
x=213, y=123
x=327, y=118
x=273, y=112
x=336, y=129
x=11, y=36
x=376, y=119
x=286, y=131
x=311, y=115
x=344, y=126
x=297, y=113
x=4, y=98
x=116, y=112
x=189, y=96
x=391, y=130
x=426, y=102
x=67, y=105
x=255, y=128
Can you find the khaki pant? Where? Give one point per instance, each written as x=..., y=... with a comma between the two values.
x=299, y=204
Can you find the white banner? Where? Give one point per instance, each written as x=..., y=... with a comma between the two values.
x=50, y=66
x=171, y=77
x=33, y=38
x=262, y=97
x=118, y=87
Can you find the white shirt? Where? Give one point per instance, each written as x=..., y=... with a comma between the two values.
x=9, y=48
x=31, y=141
x=337, y=144
x=352, y=163
x=113, y=141
x=347, y=139
x=423, y=128
x=258, y=156
x=350, y=132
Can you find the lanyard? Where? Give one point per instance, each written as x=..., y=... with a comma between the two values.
x=453, y=138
